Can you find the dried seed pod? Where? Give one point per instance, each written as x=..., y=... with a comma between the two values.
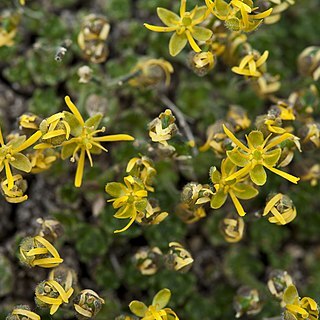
x=178, y=258
x=232, y=229
x=281, y=207
x=148, y=260
x=87, y=304
x=92, y=38
x=247, y=301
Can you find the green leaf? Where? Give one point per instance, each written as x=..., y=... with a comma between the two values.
x=258, y=175
x=255, y=138
x=67, y=150
x=214, y=175
x=75, y=126
x=272, y=157
x=94, y=121
x=138, y=308
x=244, y=191
x=161, y=299
x=222, y=8
x=218, y=200
x=141, y=205
x=168, y=17
x=201, y=33
x=200, y=12
x=237, y=158
x=115, y=189
x=177, y=43
x=21, y=162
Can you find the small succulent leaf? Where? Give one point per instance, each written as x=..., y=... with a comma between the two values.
x=94, y=121
x=161, y=299
x=17, y=142
x=218, y=200
x=67, y=150
x=138, y=308
x=290, y=295
x=258, y=175
x=272, y=157
x=201, y=33
x=237, y=157
x=141, y=205
x=177, y=43
x=21, y=162
x=75, y=126
x=222, y=8
x=200, y=12
x=255, y=138
x=125, y=212
x=214, y=175
x=244, y=191
x=168, y=17
x=115, y=189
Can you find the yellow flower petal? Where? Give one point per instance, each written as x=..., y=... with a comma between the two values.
x=80, y=168
x=74, y=110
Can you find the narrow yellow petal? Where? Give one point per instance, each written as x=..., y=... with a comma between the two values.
x=48, y=245
x=82, y=311
x=240, y=173
x=54, y=308
x=262, y=59
x=74, y=110
x=159, y=28
x=29, y=314
x=234, y=139
x=60, y=289
x=36, y=251
x=9, y=174
x=183, y=7
x=192, y=42
x=285, y=175
x=114, y=137
x=262, y=14
x=47, y=262
x=89, y=157
x=1, y=138
x=237, y=204
x=271, y=203
x=277, y=141
x=245, y=61
x=128, y=225
x=80, y=167
x=54, y=133
x=29, y=142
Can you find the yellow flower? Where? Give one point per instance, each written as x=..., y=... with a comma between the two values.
x=235, y=187
x=52, y=294
x=297, y=308
x=129, y=199
x=22, y=2
x=267, y=84
x=282, y=209
x=29, y=121
x=40, y=252
x=148, y=260
x=22, y=312
x=6, y=38
x=252, y=65
x=178, y=258
x=279, y=7
x=41, y=160
x=157, y=310
x=238, y=117
x=260, y=153
x=184, y=27
x=84, y=139
x=278, y=281
x=11, y=156
x=16, y=194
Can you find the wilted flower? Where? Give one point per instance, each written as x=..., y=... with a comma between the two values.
x=238, y=14
x=22, y=312
x=65, y=276
x=297, y=308
x=278, y=7
x=310, y=135
x=312, y=174
x=190, y=214
x=50, y=229
x=87, y=304
x=85, y=74
x=148, y=260
x=84, y=139
x=185, y=27
x=252, y=65
x=92, y=38
x=282, y=209
x=267, y=84
x=235, y=188
x=42, y=159
x=151, y=72
x=309, y=62
x=278, y=282
x=163, y=128
x=202, y=62
x=232, y=229
x=157, y=310
x=51, y=294
x=238, y=117
x=142, y=168
x=16, y=193
x=153, y=214
x=29, y=121
x=260, y=153
x=178, y=258
x=247, y=301
x=40, y=252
